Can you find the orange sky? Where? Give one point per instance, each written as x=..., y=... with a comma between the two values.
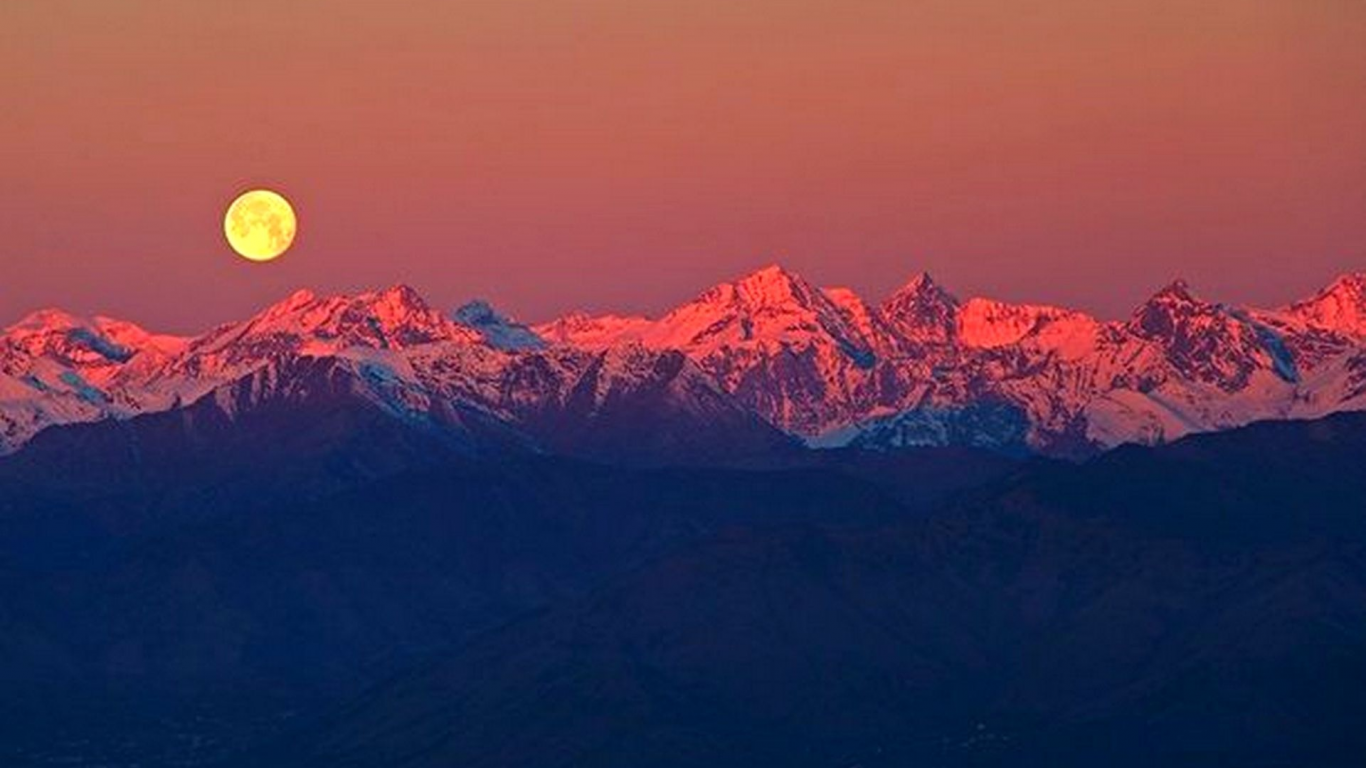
x=624, y=154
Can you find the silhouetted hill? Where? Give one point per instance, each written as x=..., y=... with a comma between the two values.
x=250, y=561
x=1198, y=604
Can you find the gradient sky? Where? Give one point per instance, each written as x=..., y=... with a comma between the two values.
x=624, y=154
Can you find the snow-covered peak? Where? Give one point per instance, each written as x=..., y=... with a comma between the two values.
x=393, y=318
x=399, y=307
x=1352, y=284
x=291, y=303
x=921, y=289
x=47, y=319
x=1209, y=343
x=58, y=368
x=305, y=324
x=66, y=339
x=1168, y=309
x=498, y=331
x=1341, y=307
x=769, y=307
x=921, y=311
x=45, y=330
x=594, y=332
x=988, y=323
x=1178, y=290
x=770, y=287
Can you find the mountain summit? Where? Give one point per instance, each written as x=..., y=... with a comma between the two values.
x=922, y=312
x=1340, y=307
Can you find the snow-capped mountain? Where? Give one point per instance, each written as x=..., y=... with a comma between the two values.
x=769, y=350
x=921, y=314
x=782, y=347
x=498, y=330
x=388, y=349
x=58, y=368
x=1339, y=308
x=1180, y=364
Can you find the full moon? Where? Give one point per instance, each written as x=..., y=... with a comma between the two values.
x=260, y=225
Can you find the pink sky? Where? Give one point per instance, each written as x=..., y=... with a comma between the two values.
x=625, y=154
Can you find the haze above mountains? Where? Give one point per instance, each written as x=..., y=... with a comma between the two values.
x=768, y=355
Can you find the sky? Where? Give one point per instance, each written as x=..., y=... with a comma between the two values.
x=624, y=155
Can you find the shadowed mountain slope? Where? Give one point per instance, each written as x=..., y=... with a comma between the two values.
x=1193, y=604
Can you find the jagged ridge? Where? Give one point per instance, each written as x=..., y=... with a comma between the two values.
x=770, y=347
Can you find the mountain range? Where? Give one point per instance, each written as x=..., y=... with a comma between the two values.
x=359, y=531
x=763, y=363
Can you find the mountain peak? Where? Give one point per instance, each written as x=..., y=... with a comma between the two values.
x=921, y=291
x=769, y=308
x=304, y=323
x=402, y=292
x=1166, y=309
x=300, y=297
x=1159, y=312
x=1178, y=290
x=769, y=272
x=290, y=305
x=922, y=282
x=921, y=311
x=497, y=329
x=68, y=339
x=772, y=285
x=477, y=312
x=1350, y=288
x=49, y=318
x=1208, y=342
x=1341, y=306
x=390, y=304
x=397, y=305
x=768, y=290
x=990, y=323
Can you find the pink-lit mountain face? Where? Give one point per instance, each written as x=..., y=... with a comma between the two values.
x=821, y=364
